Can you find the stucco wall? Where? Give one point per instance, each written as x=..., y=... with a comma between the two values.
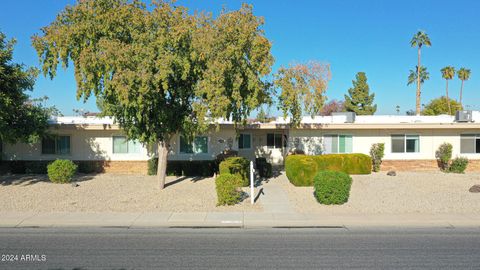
x=84, y=145
x=362, y=140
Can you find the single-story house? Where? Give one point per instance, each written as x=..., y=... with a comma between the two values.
x=410, y=141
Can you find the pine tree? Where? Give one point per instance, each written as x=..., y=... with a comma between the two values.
x=359, y=99
x=262, y=116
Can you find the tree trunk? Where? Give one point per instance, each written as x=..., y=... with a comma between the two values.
x=461, y=91
x=162, y=163
x=448, y=101
x=417, y=105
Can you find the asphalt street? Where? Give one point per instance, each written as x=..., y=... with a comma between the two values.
x=311, y=248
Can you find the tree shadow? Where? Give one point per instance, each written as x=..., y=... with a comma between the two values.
x=193, y=179
x=31, y=179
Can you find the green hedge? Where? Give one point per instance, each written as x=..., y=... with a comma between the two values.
x=301, y=169
x=239, y=166
x=206, y=168
x=263, y=167
x=458, y=165
x=228, y=189
x=332, y=187
x=61, y=171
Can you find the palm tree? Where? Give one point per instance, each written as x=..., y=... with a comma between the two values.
x=419, y=39
x=424, y=75
x=448, y=73
x=463, y=75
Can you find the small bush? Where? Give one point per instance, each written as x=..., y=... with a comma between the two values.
x=228, y=189
x=238, y=166
x=332, y=187
x=301, y=169
x=377, y=151
x=263, y=167
x=152, y=166
x=61, y=171
x=459, y=165
x=444, y=154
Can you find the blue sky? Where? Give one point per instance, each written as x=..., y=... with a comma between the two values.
x=369, y=36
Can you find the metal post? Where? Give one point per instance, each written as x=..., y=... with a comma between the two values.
x=252, y=191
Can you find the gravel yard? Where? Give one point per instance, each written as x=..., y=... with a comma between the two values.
x=112, y=193
x=408, y=192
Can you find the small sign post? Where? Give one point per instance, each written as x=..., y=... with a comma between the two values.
x=252, y=191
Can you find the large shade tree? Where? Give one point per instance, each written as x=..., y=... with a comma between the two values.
x=419, y=40
x=302, y=89
x=463, y=74
x=159, y=70
x=440, y=105
x=448, y=73
x=21, y=119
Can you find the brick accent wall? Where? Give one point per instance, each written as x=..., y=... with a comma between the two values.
x=422, y=165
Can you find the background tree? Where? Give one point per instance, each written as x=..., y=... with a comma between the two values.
x=448, y=73
x=160, y=71
x=302, y=89
x=332, y=106
x=463, y=75
x=262, y=116
x=21, y=119
x=418, y=40
x=439, y=106
x=359, y=99
x=424, y=75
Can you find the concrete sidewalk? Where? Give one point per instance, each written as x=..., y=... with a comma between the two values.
x=235, y=219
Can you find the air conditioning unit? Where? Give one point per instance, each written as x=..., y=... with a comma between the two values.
x=350, y=116
x=463, y=116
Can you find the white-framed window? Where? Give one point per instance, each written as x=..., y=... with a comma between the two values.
x=198, y=146
x=123, y=146
x=274, y=140
x=402, y=143
x=244, y=141
x=56, y=145
x=335, y=143
x=470, y=143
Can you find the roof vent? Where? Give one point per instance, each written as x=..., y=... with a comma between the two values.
x=463, y=116
x=350, y=116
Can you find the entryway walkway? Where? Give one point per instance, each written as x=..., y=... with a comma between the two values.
x=274, y=198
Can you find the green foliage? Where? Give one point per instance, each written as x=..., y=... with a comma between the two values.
x=359, y=99
x=439, y=106
x=419, y=39
x=301, y=169
x=424, y=75
x=377, y=151
x=21, y=119
x=444, y=154
x=238, y=166
x=61, y=171
x=448, y=72
x=464, y=74
x=302, y=88
x=458, y=165
x=262, y=116
x=228, y=189
x=160, y=70
x=263, y=167
x=332, y=187
x=152, y=166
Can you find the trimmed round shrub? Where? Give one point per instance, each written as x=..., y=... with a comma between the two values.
x=301, y=169
x=459, y=165
x=239, y=166
x=228, y=189
x=332, y=187
x=61, y=171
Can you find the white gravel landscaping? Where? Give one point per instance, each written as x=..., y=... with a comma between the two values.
x=112, y=193
x=408, y=192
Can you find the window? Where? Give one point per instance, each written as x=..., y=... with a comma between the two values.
x=274, y=140
x=470, y=143
x=198, y=146
x=123, y=146
x=59, y=145
x=405, y=143
x=337, y=143
x=244, y=141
